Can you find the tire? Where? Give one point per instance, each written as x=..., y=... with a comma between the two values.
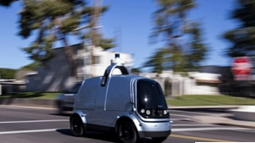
x=60, y=108
x=159, y=139
x=77, y=127
x=127, y=132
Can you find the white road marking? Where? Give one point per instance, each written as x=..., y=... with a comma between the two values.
x=195, y=125
x=27, y=131
x=206, y=129
x=33, y=121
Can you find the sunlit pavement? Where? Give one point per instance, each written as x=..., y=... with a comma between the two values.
x=28, y=125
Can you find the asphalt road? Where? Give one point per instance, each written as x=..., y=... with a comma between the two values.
x=29, y=125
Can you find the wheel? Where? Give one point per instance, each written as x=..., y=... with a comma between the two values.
x=159, y=139
x=77, y=127
x=127, y=132
x=60, y=107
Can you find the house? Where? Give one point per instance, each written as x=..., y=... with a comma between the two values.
x=55, y=75
x=11, y=86
x=201, y=82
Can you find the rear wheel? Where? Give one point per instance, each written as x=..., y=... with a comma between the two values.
x=60, y=107
x=127, y=132
x=77, y=127
x=159, y=139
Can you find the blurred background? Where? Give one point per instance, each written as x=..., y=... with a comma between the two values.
x=202, y=52
x=191, y=47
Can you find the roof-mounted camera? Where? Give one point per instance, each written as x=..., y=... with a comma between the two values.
x=117, y=60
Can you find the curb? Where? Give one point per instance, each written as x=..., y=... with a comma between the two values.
x=48, y=103
x=223, y=121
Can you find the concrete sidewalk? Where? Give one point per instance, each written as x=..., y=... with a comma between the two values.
x=47, y=103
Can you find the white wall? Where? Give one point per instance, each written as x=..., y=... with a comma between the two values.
x=105, y=61
x=186, y=85
x=55, y=75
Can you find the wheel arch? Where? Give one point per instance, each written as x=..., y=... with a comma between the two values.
x=125, y=118
x=82, y=130
x=79, y=114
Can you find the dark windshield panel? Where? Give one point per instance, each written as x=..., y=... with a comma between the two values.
x=150, y=95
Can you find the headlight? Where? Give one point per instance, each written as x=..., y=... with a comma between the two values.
x=142, y=111
x=165, y=112
x=148, y=112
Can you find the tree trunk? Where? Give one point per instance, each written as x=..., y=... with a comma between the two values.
x=69, y=54
x=94, y=36
x=67, y=50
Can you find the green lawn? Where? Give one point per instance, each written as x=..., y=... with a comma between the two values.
x=36, y=95
x=197, y=100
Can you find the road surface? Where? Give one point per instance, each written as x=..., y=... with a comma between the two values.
x=32, y=125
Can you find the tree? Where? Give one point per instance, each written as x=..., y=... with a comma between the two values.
x=30, y=67
x=184, y=49
x=6, y=73
x=156, y=61
x=6, y=2
x=242, y=37
x=56, y=20
x=135, y=70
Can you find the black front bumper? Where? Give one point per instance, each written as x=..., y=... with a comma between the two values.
x=155, y=134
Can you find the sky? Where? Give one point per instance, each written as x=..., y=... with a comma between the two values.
x=131, y=21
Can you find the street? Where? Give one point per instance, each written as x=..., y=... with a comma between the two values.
x=31, y=125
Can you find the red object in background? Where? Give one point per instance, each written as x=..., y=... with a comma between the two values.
x=242, y=66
